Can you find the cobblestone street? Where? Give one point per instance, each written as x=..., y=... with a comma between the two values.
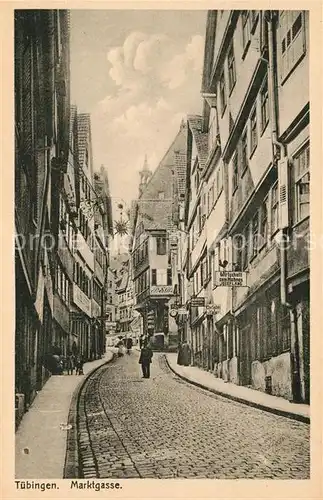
x=162, y=427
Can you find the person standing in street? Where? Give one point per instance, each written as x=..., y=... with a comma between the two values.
x=70, y=363
x=146, y=355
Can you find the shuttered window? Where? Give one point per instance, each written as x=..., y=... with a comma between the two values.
x=292, y=40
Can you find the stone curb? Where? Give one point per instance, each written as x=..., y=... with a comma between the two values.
x=260, y=406
x=71, y=465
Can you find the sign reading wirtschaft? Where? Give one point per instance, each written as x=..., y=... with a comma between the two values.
x=197, y=301
x=230, y=278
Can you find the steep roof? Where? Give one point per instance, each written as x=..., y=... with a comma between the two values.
x=123, y=284
x=195, y=123
x=154, y=214
x=180, y=170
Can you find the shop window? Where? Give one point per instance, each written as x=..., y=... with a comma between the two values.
x=302, y=183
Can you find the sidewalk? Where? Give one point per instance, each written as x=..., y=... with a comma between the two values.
x=251, y=397
x=40, y=441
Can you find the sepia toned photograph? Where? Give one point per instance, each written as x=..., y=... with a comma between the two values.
x=162, y=246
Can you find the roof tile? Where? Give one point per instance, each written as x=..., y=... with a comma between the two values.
x=200, y=138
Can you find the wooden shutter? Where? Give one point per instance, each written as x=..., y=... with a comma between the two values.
x=283, y=194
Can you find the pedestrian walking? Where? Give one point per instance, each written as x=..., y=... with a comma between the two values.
x=70, y=363
x=129, y=344
x=79, y=366
x=146, y=355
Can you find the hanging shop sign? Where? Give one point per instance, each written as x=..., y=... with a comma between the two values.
x=173, y=313
x=213, y=309
x=161, y=290
x=231, y=278
x=198, y=301
x=183, y=311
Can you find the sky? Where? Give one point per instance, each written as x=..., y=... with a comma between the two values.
x=138, y=73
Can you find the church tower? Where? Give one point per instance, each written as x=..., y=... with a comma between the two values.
x=145, y=176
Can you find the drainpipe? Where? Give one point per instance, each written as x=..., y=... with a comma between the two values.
x=279, y=147
x=270, y=17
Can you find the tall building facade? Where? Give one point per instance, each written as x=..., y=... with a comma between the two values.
x=41, y=158
x=152, y=223
x=247, y=203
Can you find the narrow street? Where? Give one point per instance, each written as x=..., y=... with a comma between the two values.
x=131, y=427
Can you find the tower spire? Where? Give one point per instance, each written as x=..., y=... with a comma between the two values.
x=145, y=175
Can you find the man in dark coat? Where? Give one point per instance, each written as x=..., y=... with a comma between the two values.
x=146, y=355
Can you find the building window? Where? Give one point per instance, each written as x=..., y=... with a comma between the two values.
x=223, y=97
x=255, y=235
x=302, y=183
x=274, y=210
x=219, y=181
x=264, y=105
x=161, y=277
x=245, y=29
x=244, y=153
x=253, y=131
x=231, y=68
x=161, y=245
x=292, y=35
x=264, y=223
x=161, y=195
x=169, y=276
x=235, y=173
x=213, y=128
x=237, y=246
x=245, y=248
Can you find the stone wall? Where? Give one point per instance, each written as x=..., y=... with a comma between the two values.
x=279, y=369
x=233, y=370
